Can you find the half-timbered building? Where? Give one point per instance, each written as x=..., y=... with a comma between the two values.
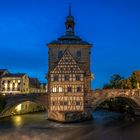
x=69, y=76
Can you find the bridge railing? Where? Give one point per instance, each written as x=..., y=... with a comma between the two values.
x=24, y=94
x=115, y=92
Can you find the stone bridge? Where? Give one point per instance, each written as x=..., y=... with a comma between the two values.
x=13, y=100
x=131, y=97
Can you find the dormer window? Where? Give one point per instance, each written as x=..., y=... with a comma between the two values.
x=78, y=54
x=60, y=54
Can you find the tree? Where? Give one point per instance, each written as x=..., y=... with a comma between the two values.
x=115, y=82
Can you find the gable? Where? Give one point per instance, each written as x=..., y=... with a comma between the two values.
x=67, y=64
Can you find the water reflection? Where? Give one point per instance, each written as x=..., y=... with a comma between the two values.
x=17, y=121
x=105, y=126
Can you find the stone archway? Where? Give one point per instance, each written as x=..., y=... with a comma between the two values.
x=7, y=110
x=132, y=102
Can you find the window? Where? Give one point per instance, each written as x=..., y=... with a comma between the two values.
x=69, y=28
x=77, y=77
x=66, y=77
x=53, y=103
x=65, y=103
x=78, y=89
x=67, y=69
x=61, y=103
x=78, y=103
x=69, y=89
x=60, y=89
x=11, y=85
x=55, y=78
x=60, y=54
x=54, y=89
x=71, y=69
x=16, y=85
x=5, y=85
x=66, y=60
x=78, y=54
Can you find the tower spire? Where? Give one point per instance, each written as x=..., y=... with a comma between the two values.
x=70, y=22
x=70, y=8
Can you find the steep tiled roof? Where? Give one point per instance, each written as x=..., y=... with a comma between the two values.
x=14, y=75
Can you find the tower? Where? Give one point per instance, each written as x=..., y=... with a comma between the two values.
x=69, y=76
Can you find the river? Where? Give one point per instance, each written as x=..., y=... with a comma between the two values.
x=105, y=126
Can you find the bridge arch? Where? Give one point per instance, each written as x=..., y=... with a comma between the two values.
x=12, y=104
x=132, y=102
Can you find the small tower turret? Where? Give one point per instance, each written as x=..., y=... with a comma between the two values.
x=70, y=22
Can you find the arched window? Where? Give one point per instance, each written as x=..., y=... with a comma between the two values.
x=70, y=28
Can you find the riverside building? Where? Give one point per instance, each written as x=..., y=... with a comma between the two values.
x=69, y=76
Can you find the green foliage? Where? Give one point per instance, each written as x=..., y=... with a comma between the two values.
x=115, y=82
x=2, y=102
x=132, y=82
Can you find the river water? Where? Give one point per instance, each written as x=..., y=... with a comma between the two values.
x=105, y=126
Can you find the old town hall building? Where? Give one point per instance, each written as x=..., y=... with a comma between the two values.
x=69, y=76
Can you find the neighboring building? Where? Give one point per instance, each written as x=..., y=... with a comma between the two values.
x=2, y=73
x=34, y=85
x=14, y=83
x=69, y=76
x=43, y=88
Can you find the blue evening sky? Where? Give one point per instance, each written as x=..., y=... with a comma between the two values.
x=112, y=26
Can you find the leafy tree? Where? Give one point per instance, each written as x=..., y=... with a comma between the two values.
x=115, y=82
